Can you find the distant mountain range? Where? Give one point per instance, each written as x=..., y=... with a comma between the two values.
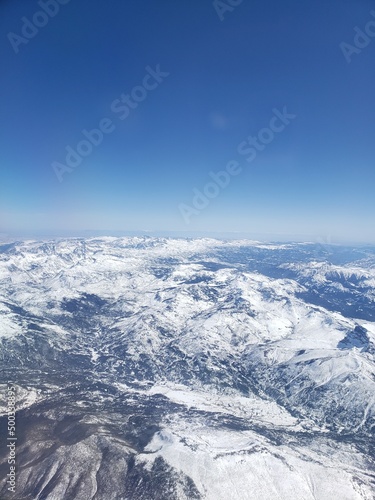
x=161, y=368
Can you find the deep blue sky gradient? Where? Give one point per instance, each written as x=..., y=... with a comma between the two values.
x=315, y=179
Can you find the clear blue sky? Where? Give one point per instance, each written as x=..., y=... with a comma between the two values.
x=316, y=177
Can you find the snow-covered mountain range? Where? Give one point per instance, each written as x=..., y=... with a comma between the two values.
x=155, y=368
